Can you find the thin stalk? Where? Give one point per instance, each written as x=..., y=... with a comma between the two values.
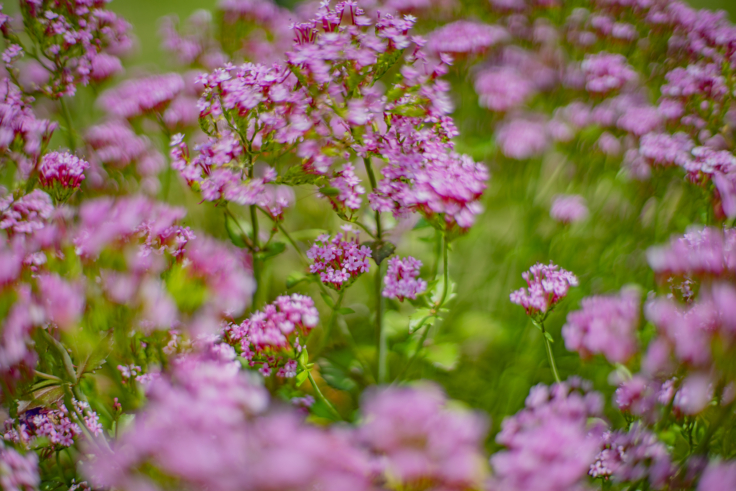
x=46, y=376
x=372, y=179
x=550, y=356
x=380, y=334
x=256, y=261
x=322, y=397
x=415, y=355
x=71, y=141
x=435, y=313
x=380, y=331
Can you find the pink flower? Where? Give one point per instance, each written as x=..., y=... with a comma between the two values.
x=339, y=261
x=62, y=169
x=401, y=279
x=547, y=286
x=606, y=325
x=569, y=208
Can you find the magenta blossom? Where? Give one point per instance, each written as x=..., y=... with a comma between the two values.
x=606, y=325
x=402, y=280
x=569, y=208
x=62, y=169
x=547, y=286
x=339, y=261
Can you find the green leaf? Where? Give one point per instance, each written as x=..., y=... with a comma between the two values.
x=328, y=300
x=416, y=318
x=296, y=278
x=235, y=231
x=549, y=337
x=380, y=249
x=46, y=397
x=303, y=359
x=346, y=311
x=444, y=356
x=301, y=377
x=329, y=191
x=273, y=249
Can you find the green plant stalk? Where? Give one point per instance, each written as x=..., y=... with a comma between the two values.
x=550, y=356
x=256, y=262
x=322, y=397
x=445, y=289
x=380, y=334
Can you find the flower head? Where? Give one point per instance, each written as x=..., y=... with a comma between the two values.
x=547, y=286
x=401, y=278
x=340, y=260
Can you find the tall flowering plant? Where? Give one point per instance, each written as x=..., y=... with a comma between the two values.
x=228, y=276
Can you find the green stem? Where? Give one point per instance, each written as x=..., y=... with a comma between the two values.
x=71, y=141
x=415, y=355
x=436, y=311
x=322, y=397
x=550, y=356
x=380, y=331
x=256, y=262
x=372, y=179
x=380, y=334
x=46, y=376
x=446, y=271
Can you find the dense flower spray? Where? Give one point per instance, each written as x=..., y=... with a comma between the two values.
x=181, y=309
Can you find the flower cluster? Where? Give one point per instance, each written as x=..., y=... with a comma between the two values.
x=547, y=285
x=569, y=208
x=401, y=279
x=633, y=456
x=549, y=445
x=61, y=172
x=701, y=252
x=266, y=335
x=421, y=441
x=339, y=260
x=606, y=325
x=23, y=136
x=73, y=42
x=55, y=424
x=141, y=96
x=18, y=472
x=204, y=426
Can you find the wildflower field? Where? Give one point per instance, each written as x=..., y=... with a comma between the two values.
x=409, y=245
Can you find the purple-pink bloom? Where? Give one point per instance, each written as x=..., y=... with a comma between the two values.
x=523, y=138
x=421, y=441
x=340, y=260
x=18, y=472
x=549, y=444
x=503, y=88
x=401, y=280
x=547, y=286
x=666, y=149
x=701, y=252
x=270, y=338
x=137, y=97
x=605, y=325
x=62, y=301
x=606, y=72
x=718, y=476
x=62, y=169
x=631, y=456
x=569, y=208
x=465, y=37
